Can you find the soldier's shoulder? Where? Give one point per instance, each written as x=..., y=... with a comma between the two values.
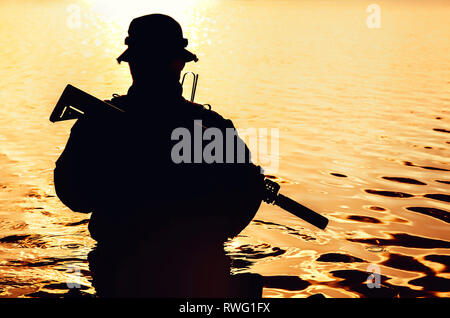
x=120, y=101
x=95, y=122
x=206, y=113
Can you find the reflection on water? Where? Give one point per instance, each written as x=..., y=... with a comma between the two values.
x=363, y=117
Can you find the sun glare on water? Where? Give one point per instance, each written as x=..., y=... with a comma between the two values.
x=109, y=20
x=122, y=12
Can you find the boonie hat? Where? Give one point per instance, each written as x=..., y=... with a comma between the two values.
x=155, y=35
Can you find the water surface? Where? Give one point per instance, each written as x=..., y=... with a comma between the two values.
x=363, y=116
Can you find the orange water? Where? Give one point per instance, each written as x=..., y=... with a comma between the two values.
x=363, y=116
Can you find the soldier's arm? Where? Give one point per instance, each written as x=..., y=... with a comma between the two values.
x=244, y=183
x=72, y=173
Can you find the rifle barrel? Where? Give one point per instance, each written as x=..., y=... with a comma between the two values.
x=301, y=211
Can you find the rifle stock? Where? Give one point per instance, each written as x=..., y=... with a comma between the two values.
x=74, y=103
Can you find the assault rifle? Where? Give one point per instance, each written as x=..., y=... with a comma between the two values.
x=74, y=103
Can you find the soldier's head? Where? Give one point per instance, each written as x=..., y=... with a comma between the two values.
x=156, y=48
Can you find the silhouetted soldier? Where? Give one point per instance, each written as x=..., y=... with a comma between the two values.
x=160, y=225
